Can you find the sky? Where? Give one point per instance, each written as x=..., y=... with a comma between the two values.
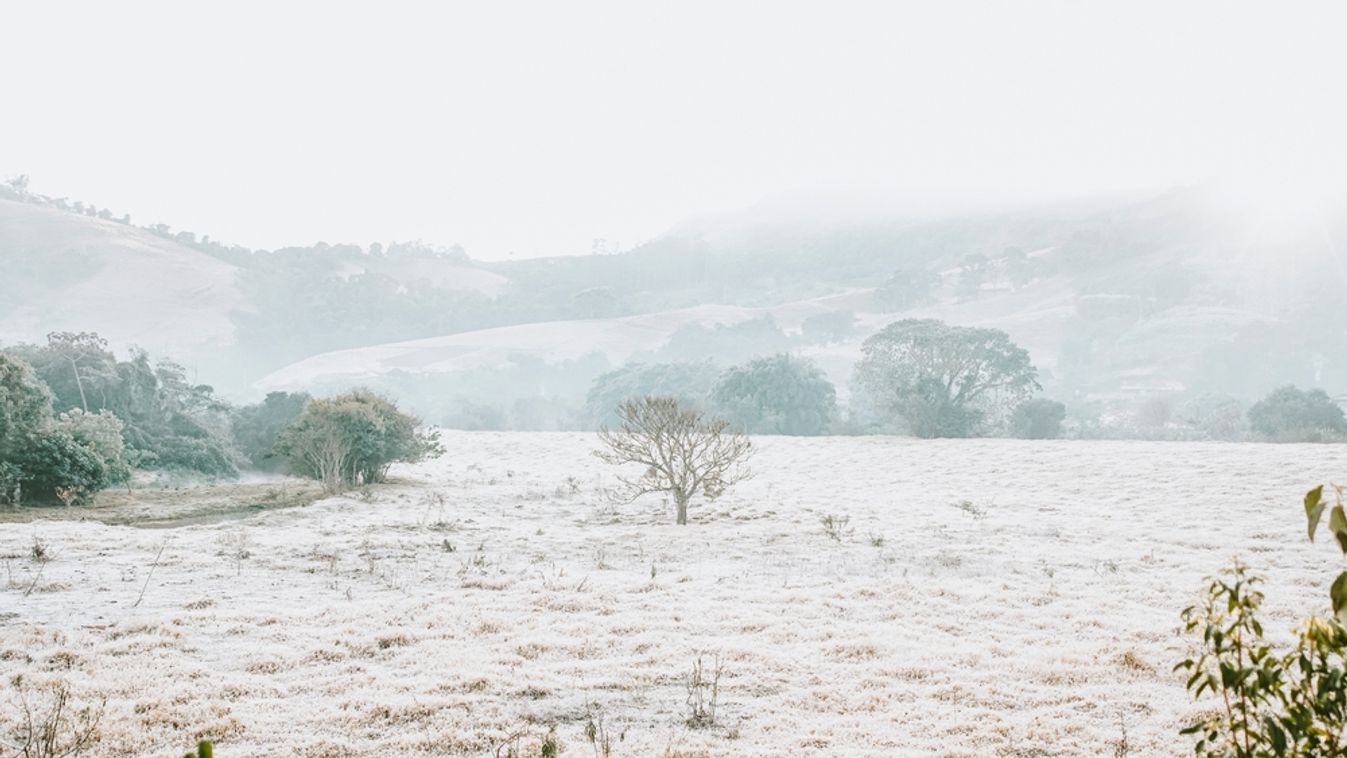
x=528, y=129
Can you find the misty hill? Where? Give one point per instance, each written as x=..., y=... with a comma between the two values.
x=65, y=271
x=1119, y=298
x=1124, y=296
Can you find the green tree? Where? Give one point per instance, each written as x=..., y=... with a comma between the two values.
x=776, y=395
x=942, y=380
x=1289, y=414
x=168, y=422
x=25, y=411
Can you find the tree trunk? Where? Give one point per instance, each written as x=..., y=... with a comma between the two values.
x=681, y=501
x=79, y=383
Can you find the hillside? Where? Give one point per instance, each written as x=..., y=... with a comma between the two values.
x=1186, y=291
x=69, y=272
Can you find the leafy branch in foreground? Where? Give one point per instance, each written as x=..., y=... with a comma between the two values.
x=1270, y=703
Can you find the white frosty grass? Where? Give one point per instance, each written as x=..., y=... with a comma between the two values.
x=1028, y=622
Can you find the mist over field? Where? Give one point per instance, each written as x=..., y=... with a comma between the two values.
x=712, y=380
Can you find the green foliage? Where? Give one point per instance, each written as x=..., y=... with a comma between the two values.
x=25, y=405
x=74, y=457
x=203, y=750
x=1270, y=703
x=826, y=328
x=1239, y=668
x=256, y=428
x=688, y=383
x=942, y=380
x=167, y=421
x=1038, y=419
x=1289, y=414
x=776, y=395
x=45, y=458
x=352, y=439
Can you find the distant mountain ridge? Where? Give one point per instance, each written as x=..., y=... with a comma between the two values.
x=1138, y=293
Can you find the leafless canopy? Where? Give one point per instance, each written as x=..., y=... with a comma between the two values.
x=684, y=452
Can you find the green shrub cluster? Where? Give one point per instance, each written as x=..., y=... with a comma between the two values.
x=44, y=457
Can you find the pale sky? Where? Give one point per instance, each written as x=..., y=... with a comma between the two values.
x=534, y=128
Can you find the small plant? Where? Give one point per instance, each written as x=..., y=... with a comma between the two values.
x=55, y=728
x=876, y=540
x=203, y=750
x=703, y=693
x=836, y=527
x=1121, y=747
x=39, y=552
x=597, y=733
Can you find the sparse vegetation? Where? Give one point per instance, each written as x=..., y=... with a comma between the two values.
x=48, y=722
x=703, y=686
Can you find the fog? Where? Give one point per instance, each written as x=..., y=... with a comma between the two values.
x=531, y=129
x=628, y=379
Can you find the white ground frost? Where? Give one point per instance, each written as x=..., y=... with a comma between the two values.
x=985, y=597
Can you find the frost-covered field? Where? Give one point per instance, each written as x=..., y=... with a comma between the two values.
x=501, y=593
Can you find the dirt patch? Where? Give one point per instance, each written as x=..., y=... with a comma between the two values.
x=169, y=507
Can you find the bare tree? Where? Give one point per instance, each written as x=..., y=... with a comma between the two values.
x=684, y=452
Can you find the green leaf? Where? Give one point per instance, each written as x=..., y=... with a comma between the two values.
x=1338, y=594
x=1314, y=508
x=1337, y=523
x=1278, y=736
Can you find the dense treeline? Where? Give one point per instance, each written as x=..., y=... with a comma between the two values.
x=75, y=419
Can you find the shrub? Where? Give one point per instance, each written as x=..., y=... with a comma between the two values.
x=684, y=452
x=46, y=458
x=352, y=439
x=1038, y=419
x=78, y=455
x=776, y=395
x=1289, y=414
